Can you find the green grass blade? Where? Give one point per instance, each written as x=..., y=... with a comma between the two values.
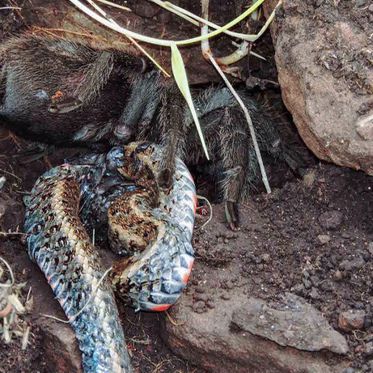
x=178, y=70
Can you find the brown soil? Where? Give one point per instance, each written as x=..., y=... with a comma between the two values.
x=279, y=248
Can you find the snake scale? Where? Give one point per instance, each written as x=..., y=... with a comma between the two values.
x=152, y=227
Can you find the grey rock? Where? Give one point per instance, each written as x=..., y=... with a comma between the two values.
x=370, y=248
x=323, y=238
x=349, y=370
x=331, y=219
x=297, y=324
x=2, y=181
x=314, y=294
x=201, y=296
x=370, y=365
x=338, y=275
x=266, y=258
x=368, y=350
x=198, y=306
x=225, y=340
x=349, y=265
x=307, y=283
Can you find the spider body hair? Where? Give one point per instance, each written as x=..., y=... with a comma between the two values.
x=62, y=92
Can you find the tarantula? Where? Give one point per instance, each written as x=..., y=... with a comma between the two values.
x=59, y=91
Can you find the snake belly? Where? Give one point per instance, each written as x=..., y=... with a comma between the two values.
x=152, y=278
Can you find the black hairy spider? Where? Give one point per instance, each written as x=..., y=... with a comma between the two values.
x=58, y=91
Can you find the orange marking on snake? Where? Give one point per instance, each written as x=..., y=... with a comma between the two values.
x=195, y=202
x=161, y=307
x=186, y=278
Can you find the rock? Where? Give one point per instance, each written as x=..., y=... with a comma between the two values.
x=317, y=71
x=266, y=258
x=309, y=178
x=210, y=304
x=2, y=182
x=346, y=235
x=61, y=350
x=350, y=265
x=314, y=294
x=11, y=213
x=370, y=248
x=323, y=238
x=225, y=296
x=370, y=365
x=351, y=320
x=296, y=324
x=368, y=350
x=248, y=335
x=331, y=219
x=201, y=296
x=349, y=370
x=199, y=306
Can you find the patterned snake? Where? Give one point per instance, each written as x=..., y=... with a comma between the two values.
x=151, y=226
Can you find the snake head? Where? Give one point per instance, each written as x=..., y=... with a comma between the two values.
x=141, y=162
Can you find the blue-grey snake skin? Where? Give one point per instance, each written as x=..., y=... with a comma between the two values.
x=152, y=278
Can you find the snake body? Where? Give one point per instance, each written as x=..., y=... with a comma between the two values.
x=153, y=227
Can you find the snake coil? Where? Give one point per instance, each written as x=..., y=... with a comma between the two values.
x=151, y=226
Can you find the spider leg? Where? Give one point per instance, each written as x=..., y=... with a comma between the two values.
x=234, y=144
x=228, y=134
x=140, y=108
x=94, y=76
x=173, y=129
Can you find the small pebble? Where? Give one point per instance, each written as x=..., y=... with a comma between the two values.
x=266, y=258
x=349, y=265
x=370, y=365
x=298, y=289
x=348, y=370
x=368, y=351
x=198, y=305
x=331, y=219
x=351, y=320
x=2, y=181
x=225, y=296
x=200, y=310
x=210, y=304
x=314, y=294
x=360, y=3
x=338, y=275
x=201, y=296
x=229, y=285
x=323, y=238
x=370, y=248
x=307, y=283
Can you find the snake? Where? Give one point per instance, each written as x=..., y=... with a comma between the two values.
x=149, y=227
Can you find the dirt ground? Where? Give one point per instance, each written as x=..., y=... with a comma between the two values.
x=311, y=237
